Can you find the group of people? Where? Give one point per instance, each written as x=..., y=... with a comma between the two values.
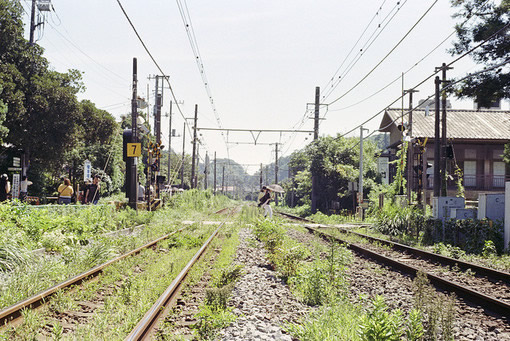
x=90, y=194
x=5, y=187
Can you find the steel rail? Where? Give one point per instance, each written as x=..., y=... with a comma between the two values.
x=485, y=301
x=9, y=314
x=149, y=320
x=426, y=255
x=444, y=260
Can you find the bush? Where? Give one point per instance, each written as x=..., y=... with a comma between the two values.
x=470, y=235
x=396, y=221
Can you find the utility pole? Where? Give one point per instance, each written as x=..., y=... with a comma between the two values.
x=197, y=165
x=32, y=22
x=315, y=182
x=261, y=176
x=410, y=148
x=132, y=161
x=360, y=193
x=276, y=172
x=214, y=190
x=437, y=143
x=170, y=145
x=206, y=169
x=223, y=180
x=193, y=184
x=183, y=155
x=444, y=187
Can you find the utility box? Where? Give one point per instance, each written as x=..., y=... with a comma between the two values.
x=491, y=206
x=463, y=213
x=441, y=206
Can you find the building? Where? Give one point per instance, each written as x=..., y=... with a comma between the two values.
x=476, y=140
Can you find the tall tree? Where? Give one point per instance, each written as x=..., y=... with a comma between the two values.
x=480, y=20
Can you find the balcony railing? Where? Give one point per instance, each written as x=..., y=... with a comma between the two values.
x=477, y=182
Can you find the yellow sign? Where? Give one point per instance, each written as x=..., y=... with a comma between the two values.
x=134, y=149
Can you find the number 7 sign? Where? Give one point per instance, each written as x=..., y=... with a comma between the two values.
x=134, y=149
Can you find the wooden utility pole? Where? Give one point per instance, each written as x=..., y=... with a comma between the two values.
x=315, y=182
x=437, y=142
x=193, y=184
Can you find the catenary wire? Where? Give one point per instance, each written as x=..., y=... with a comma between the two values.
x=386, y=56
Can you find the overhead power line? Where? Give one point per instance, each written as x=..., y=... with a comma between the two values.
x=377, y=32
x=190, y=32
x=386, y=56
x=157, y=65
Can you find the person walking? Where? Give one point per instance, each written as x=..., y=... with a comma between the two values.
x=141, y=192
x=23, y=192
x=92, y=195
x=5, y=187
x=65, y=192
x=264, y=201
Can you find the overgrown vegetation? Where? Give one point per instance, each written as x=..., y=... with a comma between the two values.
x=322, y=282
x=74, y=240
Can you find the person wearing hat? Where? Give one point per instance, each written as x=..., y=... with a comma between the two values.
x=5, y=187
x=264, y=201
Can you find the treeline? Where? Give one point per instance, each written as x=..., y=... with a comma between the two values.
x=335, y=163
x=41, y=117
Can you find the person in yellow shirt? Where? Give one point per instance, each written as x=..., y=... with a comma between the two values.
x=65, y=192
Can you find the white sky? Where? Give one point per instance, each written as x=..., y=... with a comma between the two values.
x=263, y=60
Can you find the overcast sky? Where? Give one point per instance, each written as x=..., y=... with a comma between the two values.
x=263, y=60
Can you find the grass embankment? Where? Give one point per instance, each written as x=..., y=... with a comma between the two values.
x=109, y=307
x=75, y=239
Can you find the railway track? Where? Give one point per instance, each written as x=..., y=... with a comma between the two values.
x=148, y=324
x=489, y=288
x=12, y=314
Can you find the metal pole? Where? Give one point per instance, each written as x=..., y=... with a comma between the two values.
x=170, y=144
x=183, y=155
x=131, y=162
x=223, y=180
x=437, y=142
x=443, y=133
x=360, y=185
x=315, y=180
x=193, y=184
x=316, y=116
x=197, y=166
x=410, y=149
x=276, y=172
x=206, y=169
x=214, y=191
x=261, y=176
x=32, y=22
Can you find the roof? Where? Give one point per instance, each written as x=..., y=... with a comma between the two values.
x=461, y=123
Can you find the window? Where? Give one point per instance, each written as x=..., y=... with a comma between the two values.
x=498, y=179
x=470, y=173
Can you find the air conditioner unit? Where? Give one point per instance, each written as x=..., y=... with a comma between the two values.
x=491, y=206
